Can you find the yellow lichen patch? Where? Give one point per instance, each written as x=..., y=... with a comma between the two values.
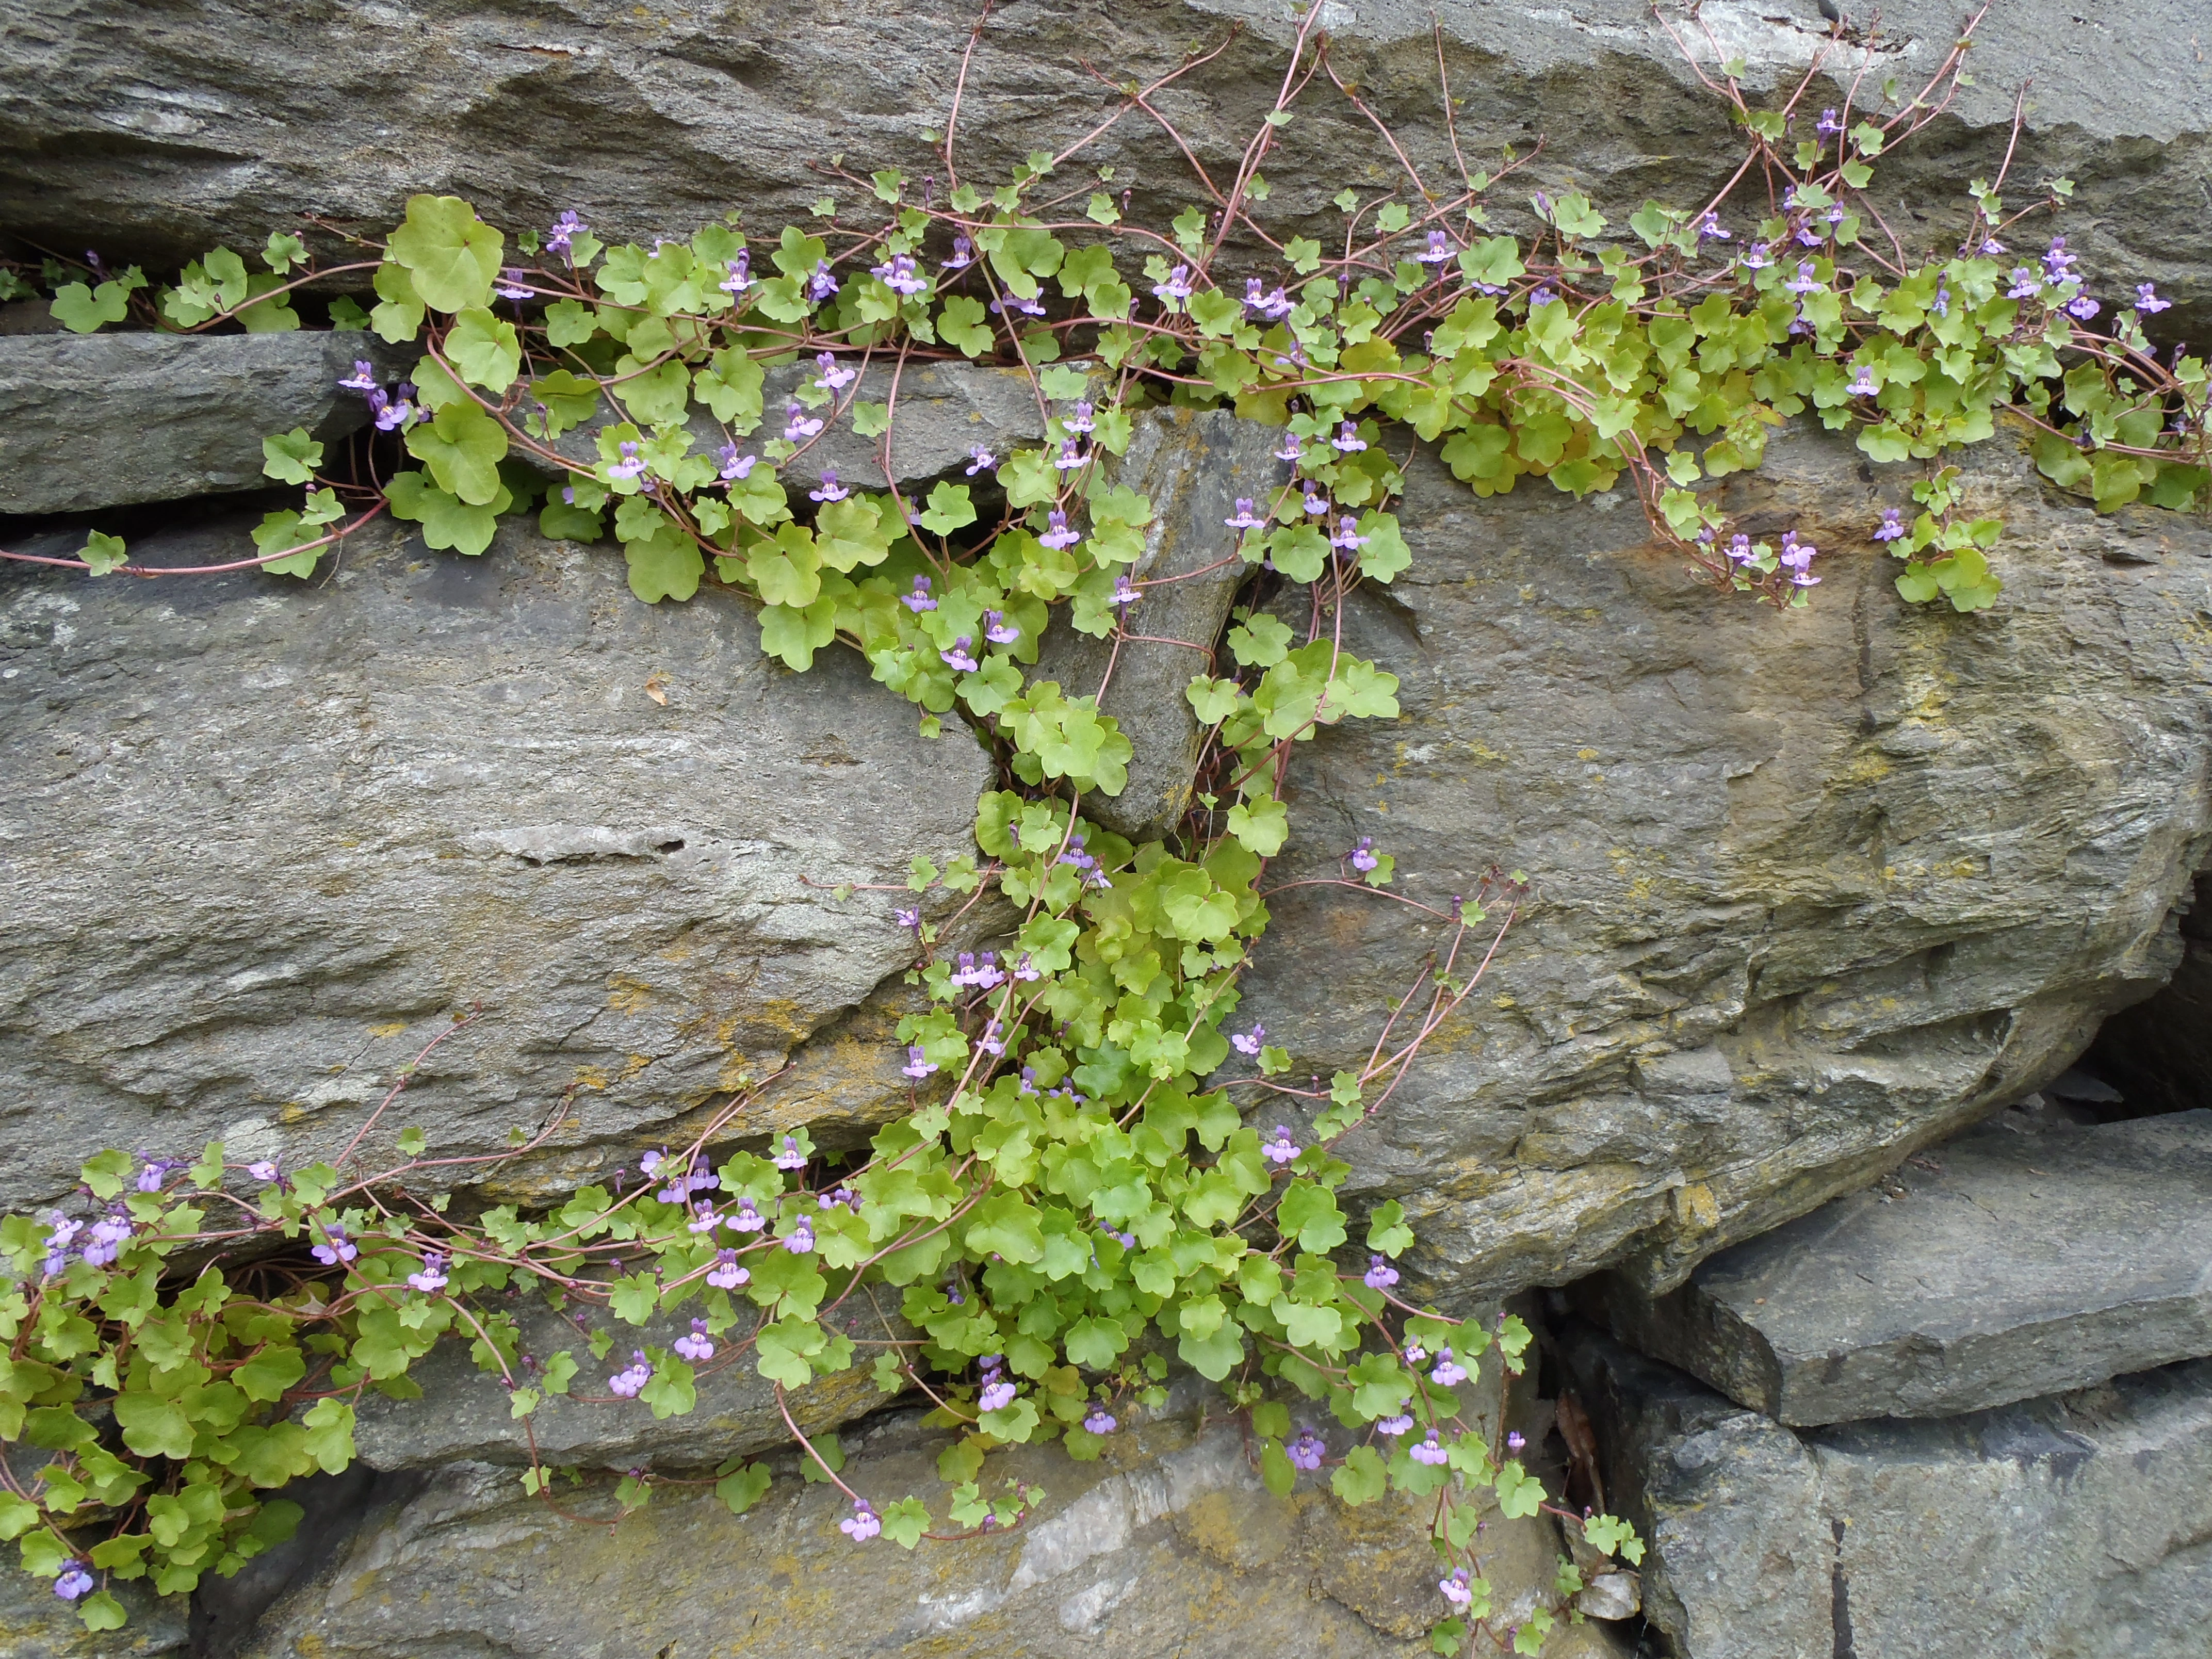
x=627, y=994
x=389, y=1028
x=1695, y=1207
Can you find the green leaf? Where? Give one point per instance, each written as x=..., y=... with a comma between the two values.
x=451, y=254
x=103, y=552
x=1519, y=1492
x=742, y=1488
x=463, y=447
x=100, y=1611
x=1309, y=1214
x=291, y=458
x=82, y=310
x=270, y=1372
x=446, y=520
x=152, y=1427
x=961, y=324
x=329, y=1434
x=485, y=350
x=1363, y=1479
x=1263, y=824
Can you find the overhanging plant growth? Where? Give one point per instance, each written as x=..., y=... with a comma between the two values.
x=1076, y=1193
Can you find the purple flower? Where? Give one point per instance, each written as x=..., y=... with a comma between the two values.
x=1439, y=250
x=1893, y=525
x=834, y=377
x=363, y=377
x=1804, y=282
x=630, y=465
x=1177, y=288
x=747, y=1219
x=997, y=1397
x=741, y=273
x=1026, y=306
x=1758, y=257
x=1542, y=295
x=1026, y=970
x=2082, y=306
x=862, y=1524
x=1447, y=1371
x=1401, y=1423
x=1081, y=420
x=800, y=1239
x=822, y=284
x=1828, y=126
x=432, y=1278
x=2147, y=300
x=900, y=276
x=919, y=600
x=1362, y=856
x=1455, y=1589
x=2058, y=262
x=725, y=1275
x=958, y=657
x=980, y=458
x=798, y=425
x=1863, y=386
x=1244, y=518
x=513, y=287
x=1990, y=247
x=831, y=490
x=1100, y=1421
x=1428, y=1451
x=1282, y=1149
x=1274, y=306
x=566, y=229
x=151, y=1177
x=1059, y=535
x=704, y=1218
x=998, y=629
x=1347, y=539
x=993, y=1040
x=336, y=1247
x=1942, y=304
x=1347, y=441
x=1306, y=1450
x=1739, y=549
x=2027, y=284
x=1070, y=456
x=106, y=1241
x=1709, y=230
x=790, y=1157
x=964, y=254
x=1316, y=503
x=1029, y=1080
x=1796, y=555
x=1290, y=451
x=74, y=1581
x=632, y=1377
x=1380, y=1274
x=735, y=466
x=697, y=1346
x=1516, y=1441
x=1248, y=1042
x=1125, y=593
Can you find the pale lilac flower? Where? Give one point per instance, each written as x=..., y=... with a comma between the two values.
x=958, y=657
x=992, y=1042
x=737, y=467
x=1026, y=970
x=1401, y=1423
x=1347, y=539
x=432, y=1278
x=1415, y=1353
x=1516, y=1441
x=1347, y=441
x=1542, y=295
x=1448, y=1371
x=1305, y=1452
x=1428, y=1451
x=1455, y=1588
x=1710, y=228
x=704, y=1217
x=980, y=458
x=835, y=376
x=1739, y=549
x=1380, y=1274
x=2027, y=284
x=565, y=230
x=151, y=1177
x=1100, y=1421
x=1941, y=306
x=1893, y=525
x=1290, y=451
x=798, y=425
x=1282, y=1149
x=697, y=1346
x=1804, y=282
x=336, y=1246
x=363, y=377
x=1828, y=126
x=741, y=273
x=630, y=465
x=1059, y=535
x=1028, y=307
x=920, y=600
x=823, y=284
x=2058, y=262
x=1990, y=247
x=998, y=629
x=964, y=254
x=1362, y=856
x=1439, y=250
x=2147, y=300
x=512, y=287
x=1081, y=420
x=1757, y=256
x=1248, y=1042
x=998, y=1396
x=1177, y=288
x=747, y=1219
x=1070, y=457
x=790, y=1157
x=2083, y=307
x=725, y=1275
x=831, y=490
x=1245, y=518
x=800, y=1239
x=1316, y=504
x=1126, y=592
x=632, y=1377
x=74, y=1581
x=264, y=1170
x=1863, y=386
x=862, y=1524
x=900, y=275
x=1273, y=306
x=1028, y=1080
x=106, y=1241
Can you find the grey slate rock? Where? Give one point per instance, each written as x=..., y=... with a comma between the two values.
x=2066, y=1526
x=464, y=1414
x=1813, y=891
x=1192, y=466
x=2158, y=1052
x=264, y=837
x=35, y=1624
x=104, y=420
x=1997, y=1266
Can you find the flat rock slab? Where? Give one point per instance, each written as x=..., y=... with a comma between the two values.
x=105, y=420
x=1996, y=1267
x=2070, y=1525
x=265, y=838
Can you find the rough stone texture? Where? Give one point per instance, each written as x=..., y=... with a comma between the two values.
x=942, y=411
x=2159, y=1052
x=2072, y=1525
x=165, y=128
x=264, y=837
x=102, y=420
x=34, y=1625
x=1813, y=891
x=1998, y=1266
x=464, y=1413
x=1167, y=1545
x=1192, y=467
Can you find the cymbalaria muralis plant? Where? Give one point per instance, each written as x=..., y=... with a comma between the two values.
x=1076, y=1194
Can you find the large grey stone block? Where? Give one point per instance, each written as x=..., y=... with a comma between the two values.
x=1995, y=1267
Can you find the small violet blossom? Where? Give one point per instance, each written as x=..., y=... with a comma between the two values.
x=1244, y=517
x=363, y=377
x=1316, y=503
x=790, y=1157
x=997, y=1397
x=1516, y=1441
x=1248, y=1042
x=1347, y=441
x=1290, y=451
x=964, y=254
x=1456, y=1588
x=1402, y=1423
x=798, y=425
x=1862, y=386
x=697, y=1346
x=1177, y=288
x=920, y=600
x=1893, y=525
x=1282, y=1149
x=1438, y=251
x=800, y=1240
x=264, y=1170
x=831, y=490
x=1805, y=281
x=512, y=287
x=1058, y=535
x=1710, y=229
x=822, y=284
x=1071, y=456
x=2147, y=300
x=978, y=459
x=74, y=1581
x=630, y=465
x=725, y=1275
x=900, y=275
x=336, y=1246
x=735, y=467
x=1428, y=1451
x=747, y=1219
x=704, y=1218
x=1100, y=1421
x=632, y=1377
x=741, y=273
x=959, y=656
x=561, y=239
x=1082, y=420
x=835, y=376
x=1380, y=1274
x=1362, y=856
x=2083, y=307
x=862, y=1524
x=1305, y=1451
x=998, y=629
x=432, y=1278
x=1447, y=1371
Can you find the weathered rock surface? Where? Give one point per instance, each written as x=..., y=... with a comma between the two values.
x=35, y=1624
x=222, y=123
x=1813, y=890
x=265, y=837
x=1998, y=1266
x=103, y=420
x=465, y=1413
x=1192, y=467
x=2070, y=1525
x=2159, y=1052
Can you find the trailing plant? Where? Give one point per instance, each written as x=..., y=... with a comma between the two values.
x=1092, y=1178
